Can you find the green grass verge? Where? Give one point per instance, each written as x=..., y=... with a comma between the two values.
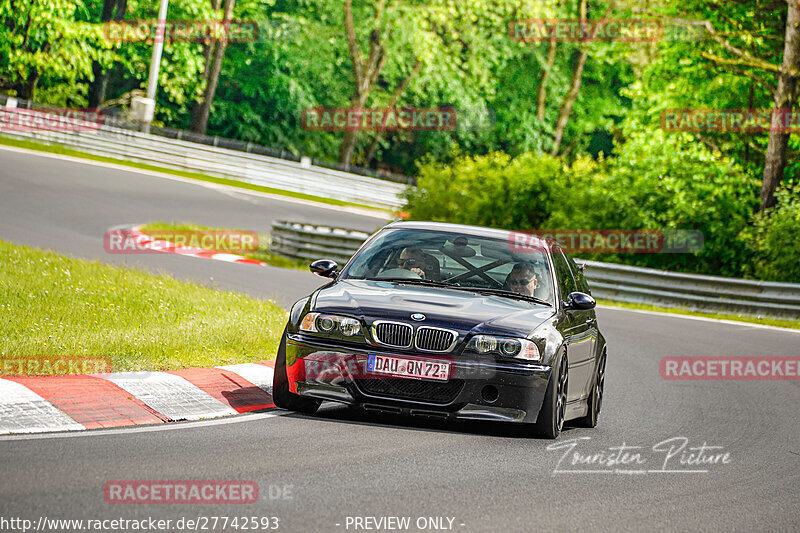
x=55, y=305
x=58, y=149
x=261, y=254
x=777, y=322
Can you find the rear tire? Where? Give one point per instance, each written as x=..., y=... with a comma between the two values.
x=281, y=394
x=551, y=417
x=596, y=399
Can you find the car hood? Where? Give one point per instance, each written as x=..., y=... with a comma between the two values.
x=463, y=311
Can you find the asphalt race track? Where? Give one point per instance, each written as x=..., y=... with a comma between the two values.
x=341, y=463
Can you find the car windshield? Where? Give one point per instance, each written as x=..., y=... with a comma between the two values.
x=455, y=260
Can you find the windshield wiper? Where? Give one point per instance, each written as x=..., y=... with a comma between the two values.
x=481, y=290
x=508, y=294
x=412, y=281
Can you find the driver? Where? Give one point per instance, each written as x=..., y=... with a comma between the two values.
x=522, y=279
x=412, y=259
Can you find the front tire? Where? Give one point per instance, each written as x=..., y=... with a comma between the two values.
x=554, y=409
x=281, y=394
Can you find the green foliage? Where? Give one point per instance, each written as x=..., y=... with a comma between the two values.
x=774, y=240
x=265, y=86
x=493, y=190
x=665, y=181
x=182, y=63
x=48, y=45
x=658, y=181
x=683, y=76
x=617, y=169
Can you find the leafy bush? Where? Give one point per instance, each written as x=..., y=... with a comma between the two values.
x=493, y=190
x=657, y=181
x=774, y=240
x=666, y=182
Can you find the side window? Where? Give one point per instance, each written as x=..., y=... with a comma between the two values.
x=565, y=281
x=580, y=279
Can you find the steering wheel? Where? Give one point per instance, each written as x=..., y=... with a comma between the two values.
x=398, y=273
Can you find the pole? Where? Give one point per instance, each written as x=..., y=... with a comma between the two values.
x=155, y=64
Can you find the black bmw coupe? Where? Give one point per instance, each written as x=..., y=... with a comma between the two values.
x=448, y=321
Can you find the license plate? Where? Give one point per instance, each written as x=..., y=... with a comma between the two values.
x=408, y=368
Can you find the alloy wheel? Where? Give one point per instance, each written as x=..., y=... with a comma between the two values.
x=600, y=382
x=561, y=394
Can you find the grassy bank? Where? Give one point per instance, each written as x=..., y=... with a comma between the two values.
x=57, y=305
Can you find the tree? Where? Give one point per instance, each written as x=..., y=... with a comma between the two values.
x=751, y=53
x=398, y=92
x=785, y=101
x=460, y=47
x=112, y=10
x=575, y=82
x=202, y=111
x=541, y=96
x=50, y=45
x=365, y=72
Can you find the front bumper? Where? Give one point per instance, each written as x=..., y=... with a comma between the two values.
x=479, y=388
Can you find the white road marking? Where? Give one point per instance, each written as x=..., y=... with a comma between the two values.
x=246, y=417
x=256, y=374
x=700, y=318
x=24, y=411
x=170, y=395
x=231, y=258
x=239, y=196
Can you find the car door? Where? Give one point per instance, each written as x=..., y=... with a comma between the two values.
x=578, y=332
x=583, y=286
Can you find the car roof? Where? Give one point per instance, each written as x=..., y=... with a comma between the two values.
x=476, y=231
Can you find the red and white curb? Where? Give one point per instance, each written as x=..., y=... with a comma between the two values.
x=39, y=404
x=147, y=242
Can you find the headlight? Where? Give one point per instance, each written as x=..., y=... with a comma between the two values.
x=325, y=324
x=322, y=323
x=349, y=327
x=505, y=346
x=485, y=343
x=510, y=347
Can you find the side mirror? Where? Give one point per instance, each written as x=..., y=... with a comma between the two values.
x=325, y=268
x=580, y=301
